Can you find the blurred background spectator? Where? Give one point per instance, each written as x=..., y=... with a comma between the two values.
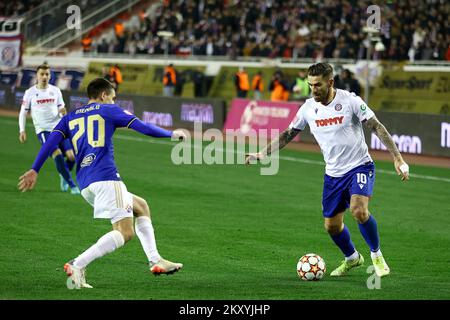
x=199, y=82
x=346, y=80
x=301, y=88
x=257, y=86
x=241, y=83
x=279, y=89
x=115, y=76
x=169, y=81
x=15, y=8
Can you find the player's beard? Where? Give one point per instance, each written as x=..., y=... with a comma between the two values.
x=322, y=98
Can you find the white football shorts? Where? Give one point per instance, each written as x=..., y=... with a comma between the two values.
x=110, y=199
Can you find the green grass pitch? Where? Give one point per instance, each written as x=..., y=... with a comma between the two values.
x=239, y=234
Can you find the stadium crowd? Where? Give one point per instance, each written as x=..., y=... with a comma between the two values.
x=15, y=8
x=410, y=29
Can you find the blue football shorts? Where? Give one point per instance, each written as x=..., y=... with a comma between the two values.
x=338, y=191
x=64, y=145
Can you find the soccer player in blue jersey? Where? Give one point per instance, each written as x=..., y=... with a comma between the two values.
x=91, y=129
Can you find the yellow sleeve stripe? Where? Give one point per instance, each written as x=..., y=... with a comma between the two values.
x=129, y=123
x=60, y=132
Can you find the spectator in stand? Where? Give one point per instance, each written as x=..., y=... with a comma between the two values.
x=199, y=82
x=86, y=43
x=301, y=89
x=15, y=8
x=278, y=87
x=181, y=80
x=121, y=37
x=346, y=81
x=288, y=29
x=169, y=81
x=103, y=46
x=209, y=48
x=257, y=86
x=115, y=76
x=241, y=83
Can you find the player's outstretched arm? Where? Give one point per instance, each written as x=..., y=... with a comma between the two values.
x=155, y=131
x=28, y=180
x=400, y=165
x=277, y=144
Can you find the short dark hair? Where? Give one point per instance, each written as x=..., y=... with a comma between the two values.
x=43, y=66
x=97, y=86
x=321, y=69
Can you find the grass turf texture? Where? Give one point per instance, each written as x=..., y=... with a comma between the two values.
x=239, y=234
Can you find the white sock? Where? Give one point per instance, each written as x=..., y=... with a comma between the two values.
x=354, y=256
x=146, y=234
x=376, y=254
x=106, y=244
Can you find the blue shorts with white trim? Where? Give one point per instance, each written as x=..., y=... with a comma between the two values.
x=64, y=146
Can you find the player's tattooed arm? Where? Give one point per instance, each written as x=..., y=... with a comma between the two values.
x=400, y=165
x=380, y=130
x=276, y=144
x=283, y=139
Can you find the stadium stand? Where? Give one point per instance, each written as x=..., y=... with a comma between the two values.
x=14, y=8
x=410, y=30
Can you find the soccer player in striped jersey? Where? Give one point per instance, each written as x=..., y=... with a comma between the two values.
x=91, y=129
x=46, y=104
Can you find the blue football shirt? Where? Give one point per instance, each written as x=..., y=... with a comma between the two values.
x=91, y=128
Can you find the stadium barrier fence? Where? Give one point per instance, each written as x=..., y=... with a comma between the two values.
x=162, y=111
x=413, y=133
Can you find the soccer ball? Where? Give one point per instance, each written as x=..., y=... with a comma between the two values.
x=311, y=267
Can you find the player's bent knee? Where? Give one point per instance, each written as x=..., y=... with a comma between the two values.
x=127, y=234
x=360, y=213
x=140, y=207
x=125, y=227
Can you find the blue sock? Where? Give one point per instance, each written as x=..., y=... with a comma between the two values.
x=344, y=242
x=62, y=169
x=369, y=231
x=70, y=164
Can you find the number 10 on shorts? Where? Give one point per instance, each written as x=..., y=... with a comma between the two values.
x=361, y=178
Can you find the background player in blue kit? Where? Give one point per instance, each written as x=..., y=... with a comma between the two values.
x=335, y=118
x=91, y=129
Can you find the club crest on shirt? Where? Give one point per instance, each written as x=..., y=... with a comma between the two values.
x=87, y=161
x=338, y=107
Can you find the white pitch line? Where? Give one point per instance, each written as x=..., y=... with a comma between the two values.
x=293, y=159
x=300, y=160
